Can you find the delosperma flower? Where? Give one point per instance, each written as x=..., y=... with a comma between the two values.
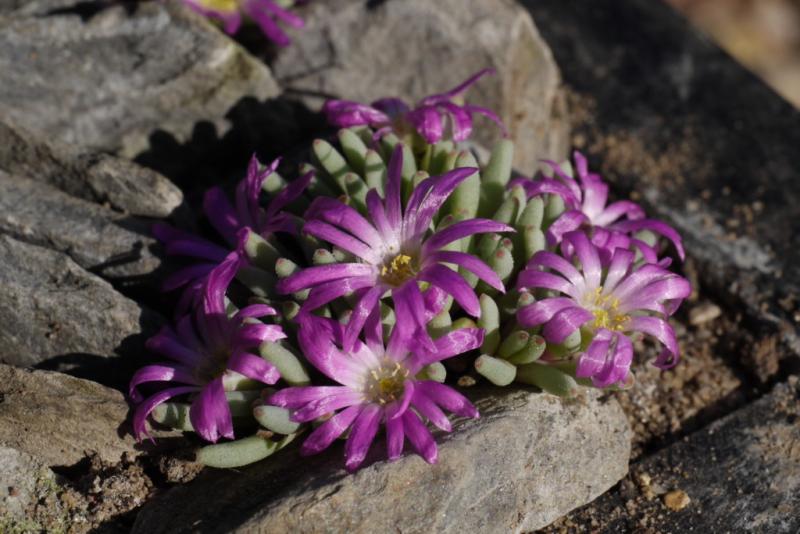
x=395, y=250
x=378, y=386
x=431, y=117
x=208, y=349
x=229, y=220
x=607, y=302
x=612, y=225
x=266, y=13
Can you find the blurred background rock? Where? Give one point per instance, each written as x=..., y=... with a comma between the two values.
x=762, y=34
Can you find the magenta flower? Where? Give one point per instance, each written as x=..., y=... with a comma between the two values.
x=611, y=225
x=607, y=302
x=394, y=251
x=207, y=351
x=265, y=13
x=378, y=386
x=229, y=221
x=430, y=118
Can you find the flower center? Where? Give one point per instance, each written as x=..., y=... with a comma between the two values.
x=212, y=367
x=398, y=270
x=386, y=383
x=220, y=5
x=606, y=311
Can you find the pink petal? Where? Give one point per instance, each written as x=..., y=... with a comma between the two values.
x=364, y=429
x=210, y=414
x=321, y=438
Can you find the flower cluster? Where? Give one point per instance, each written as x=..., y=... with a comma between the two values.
x=383, y=268
x=266, y=13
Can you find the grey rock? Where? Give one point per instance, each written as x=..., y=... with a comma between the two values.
x=92, y=176
x=108, y=79
x=95, y=237
x=413, y=48
x=528, y=459
x=59, y=419
x=50, y=307
x=21, y=478
x=741, y=474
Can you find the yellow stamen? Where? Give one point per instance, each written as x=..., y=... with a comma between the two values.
x=221, y=5
x=398, y=270
x=606, y=314
x=386, y=383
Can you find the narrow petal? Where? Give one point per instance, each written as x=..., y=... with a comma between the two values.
x=313, y=276
x=395, y=437
x=344, y=241
x=295, y=397
x=552, y=261
x=221, y=214
x=565, y=322
x=542, y=311
x=366, y=304
x=321, y=438
x=620, y=263
x=441, y=189
x=471, y=263
x=328, y=291
x=449, y=345
x=399, y=407
x=658, y=227
x=343, y=216
x=447, y=398
x=453, y=283
x=462, y=229
x=364, y=429
x=254, y=311
x=663, y=332
x=254, y=367
x=288, y=194
x=588, y=257
x=566, y=222
x=394, y=173
x=419, y=437
x=428, y=123
x=210, y=413
x=530, y=279
x=253, y=335
x=145, y=408
x=167, y=343
x=428, y=409
x=594, y=358
x=159, y=373
x=317, y=408
x=617, y=364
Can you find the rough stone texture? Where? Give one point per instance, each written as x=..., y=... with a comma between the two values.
x=92, y=176
x=412, y=48
x=21, y=475
x=106, y=78
x=95, y=237
x=58, y=419
x=741, y=474
x=529, y=458
x=711, y=148
x=50, y=307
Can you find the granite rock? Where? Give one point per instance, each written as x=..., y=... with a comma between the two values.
x=528, y=459
x=94, y=176
x=412, y=48
x=106, y=78
x=739, y=474
x=21, y=476
x=51, y=310
x=95, y=237
x=59, y=419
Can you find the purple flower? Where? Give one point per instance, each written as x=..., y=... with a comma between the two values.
x=378, y=386
x=606, y=302
x=229, y=221
x=430, y=118
x=208, y=351
x=394, y=251
x=266, y=13
x=611, y=225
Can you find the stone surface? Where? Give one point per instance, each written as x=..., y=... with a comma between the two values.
x=53, y=311
x=95, y=237
x=712, y=149
x=412, y=48
x=59, y=419
x=528, y=459
x=21, y=476
x=92, y=176
x=107, y=75
x=740, y=474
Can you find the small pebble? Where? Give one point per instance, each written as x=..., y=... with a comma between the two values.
x=704, y=313
x=466, y=381
x=676, y=500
